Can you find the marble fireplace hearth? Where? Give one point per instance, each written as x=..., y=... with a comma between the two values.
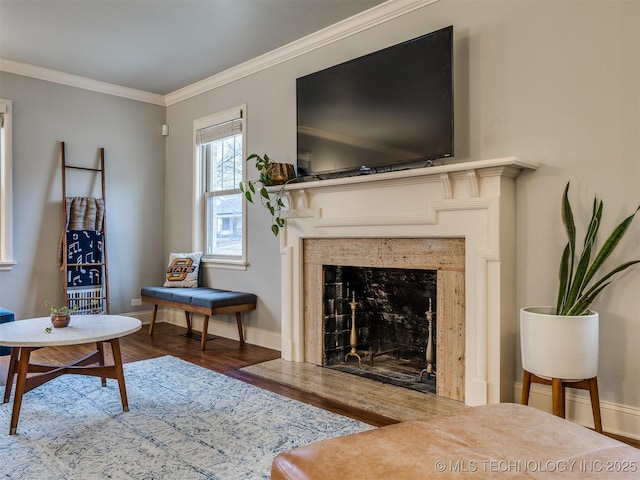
x=457, y=219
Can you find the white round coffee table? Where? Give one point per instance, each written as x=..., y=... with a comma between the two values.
x=24, y=336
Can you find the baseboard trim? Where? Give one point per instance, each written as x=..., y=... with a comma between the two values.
x=144, y=317
x=220, y=325
x=616, y=418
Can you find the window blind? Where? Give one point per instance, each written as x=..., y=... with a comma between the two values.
x=216, y=132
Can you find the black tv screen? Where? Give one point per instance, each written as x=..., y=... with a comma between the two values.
x=389, y=110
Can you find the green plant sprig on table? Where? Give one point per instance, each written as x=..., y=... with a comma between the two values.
x=575, y=296
x=53, y=310
x=271, y=200
x=64, y=310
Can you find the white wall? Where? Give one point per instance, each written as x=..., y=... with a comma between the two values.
x=551, y=82
x=44, y=114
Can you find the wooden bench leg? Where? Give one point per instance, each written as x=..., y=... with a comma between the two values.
x=188, y=316
x=240, y=331
x=205, y=330
x=153, y=319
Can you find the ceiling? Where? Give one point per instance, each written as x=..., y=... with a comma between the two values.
x=158, y=46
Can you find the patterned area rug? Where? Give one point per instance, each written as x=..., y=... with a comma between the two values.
x=185, y=422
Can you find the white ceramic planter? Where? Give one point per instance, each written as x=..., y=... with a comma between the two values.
x=559, y=346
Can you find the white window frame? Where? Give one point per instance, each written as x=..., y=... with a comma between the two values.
x=199, y=207
x=6, y=187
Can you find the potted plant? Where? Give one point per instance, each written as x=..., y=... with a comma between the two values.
x=60, y=317
x=562, y=341
x=271, y=173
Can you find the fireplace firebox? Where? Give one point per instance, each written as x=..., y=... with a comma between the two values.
x=376, y=324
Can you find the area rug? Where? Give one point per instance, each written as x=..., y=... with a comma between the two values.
x=184, y=422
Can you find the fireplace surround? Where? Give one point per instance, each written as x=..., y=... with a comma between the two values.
x=457, y=219
x=444, y=255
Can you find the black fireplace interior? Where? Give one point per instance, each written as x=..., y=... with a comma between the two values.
x=392, y=328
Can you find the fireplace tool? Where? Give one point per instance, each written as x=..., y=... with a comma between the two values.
x=429, y=353
x=353, y=339
x=379, y=353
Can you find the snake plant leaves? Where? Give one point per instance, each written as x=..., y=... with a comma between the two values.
x=577, y=289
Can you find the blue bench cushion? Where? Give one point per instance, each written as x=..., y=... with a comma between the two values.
x=199, y=296
x=6, y=316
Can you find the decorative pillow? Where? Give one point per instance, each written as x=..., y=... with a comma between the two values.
x=183, y=270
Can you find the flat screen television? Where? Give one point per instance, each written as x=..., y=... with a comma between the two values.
x=385, y=111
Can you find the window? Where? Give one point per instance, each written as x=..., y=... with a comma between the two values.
x=6, y=225
x=219, y=204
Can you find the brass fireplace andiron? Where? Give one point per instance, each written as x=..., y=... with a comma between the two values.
x=429, y=354
x=353, y=340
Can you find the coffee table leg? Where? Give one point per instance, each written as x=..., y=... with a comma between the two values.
x=117, y=360
x=13, y=364
x=23, y=368
x=100, y=348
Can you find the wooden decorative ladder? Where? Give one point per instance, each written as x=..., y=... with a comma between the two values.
x=82, y=251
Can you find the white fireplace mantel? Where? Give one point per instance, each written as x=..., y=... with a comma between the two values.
x=472, y=200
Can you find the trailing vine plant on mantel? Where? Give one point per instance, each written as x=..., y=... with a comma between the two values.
x=271, y=173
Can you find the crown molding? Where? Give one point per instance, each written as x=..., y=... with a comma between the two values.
x=370, y=18
x=77, y=81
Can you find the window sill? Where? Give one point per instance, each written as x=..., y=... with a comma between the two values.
x=226, y=264
x=6, y=265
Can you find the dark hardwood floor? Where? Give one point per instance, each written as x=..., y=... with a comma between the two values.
x=222, y=355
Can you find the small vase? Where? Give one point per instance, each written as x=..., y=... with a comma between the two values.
x=282, y=173
x=60, y=321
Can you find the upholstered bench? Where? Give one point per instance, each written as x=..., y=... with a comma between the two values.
x=6, y=316
x=480, y=442
x=203, y=300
